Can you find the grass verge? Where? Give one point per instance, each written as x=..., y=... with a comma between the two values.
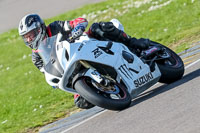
x=28, y=102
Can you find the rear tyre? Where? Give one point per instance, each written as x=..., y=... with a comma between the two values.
x=86, y=88
x=172, y=69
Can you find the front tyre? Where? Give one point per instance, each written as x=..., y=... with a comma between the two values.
x=118, y=100
x=172, y=68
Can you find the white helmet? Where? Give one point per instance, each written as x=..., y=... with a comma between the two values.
x=34, y=24
x=117, y=24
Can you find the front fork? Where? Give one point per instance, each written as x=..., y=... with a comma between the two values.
x=94, y=74
x=104, y=84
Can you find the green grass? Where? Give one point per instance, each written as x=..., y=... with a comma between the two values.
x=27, y=101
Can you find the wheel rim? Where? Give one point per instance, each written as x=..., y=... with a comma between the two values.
x=172, y=61
x=116, y=91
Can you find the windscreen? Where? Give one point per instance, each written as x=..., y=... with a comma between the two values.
x=45, y=48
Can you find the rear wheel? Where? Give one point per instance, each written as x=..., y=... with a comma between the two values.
x=113, y=97
x=172, y=68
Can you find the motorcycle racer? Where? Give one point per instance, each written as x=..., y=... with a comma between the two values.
x=33, y=30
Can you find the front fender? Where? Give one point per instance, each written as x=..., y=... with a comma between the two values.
x=92, y=73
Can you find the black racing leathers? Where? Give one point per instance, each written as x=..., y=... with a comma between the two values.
x=106, y=30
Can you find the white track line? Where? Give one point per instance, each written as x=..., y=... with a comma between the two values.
x=84, y=121
x=192, y=64
x=107, y=110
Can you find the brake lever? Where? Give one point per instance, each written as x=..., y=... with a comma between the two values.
x=71, y=39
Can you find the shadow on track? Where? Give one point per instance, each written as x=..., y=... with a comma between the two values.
x=165, y=87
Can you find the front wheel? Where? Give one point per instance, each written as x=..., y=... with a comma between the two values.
x=172, y=68
x=113, y=97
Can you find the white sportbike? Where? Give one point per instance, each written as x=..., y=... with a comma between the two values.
x=106, y=73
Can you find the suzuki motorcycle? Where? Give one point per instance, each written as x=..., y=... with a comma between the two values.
x=106, y=73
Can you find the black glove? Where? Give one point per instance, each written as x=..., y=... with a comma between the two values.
x=96, y=31
x=107, y=26
x=77, y=31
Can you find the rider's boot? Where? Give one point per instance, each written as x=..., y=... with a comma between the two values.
x=131, y=42
x=80, y=102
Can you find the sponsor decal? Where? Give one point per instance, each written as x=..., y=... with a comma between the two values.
x=97, y=52
x=125, y=71
x=147, y=52
x=21, y=26
x=96, y=74
x=144, y=79
x=80, y=47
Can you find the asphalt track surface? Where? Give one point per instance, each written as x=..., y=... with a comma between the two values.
x=12, y=11
x=172, y=108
